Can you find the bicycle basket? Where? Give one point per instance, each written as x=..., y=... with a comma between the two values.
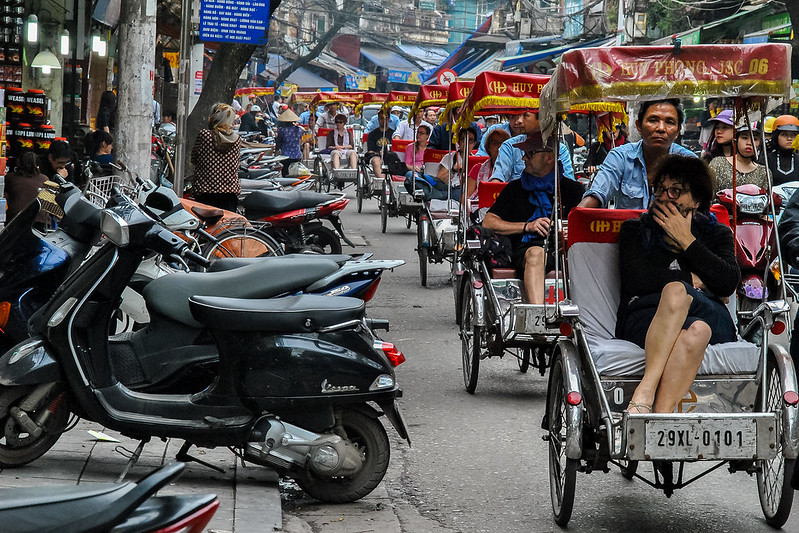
x=98, y=189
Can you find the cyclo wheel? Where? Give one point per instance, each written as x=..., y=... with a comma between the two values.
x=470, y=342
x=423, y=250
x=774, y=475
x=384, y=201
x=360, y=187
x=628, y=468
x=317, y=171
x=242, y=241
x=524, y=359
x=562, y=470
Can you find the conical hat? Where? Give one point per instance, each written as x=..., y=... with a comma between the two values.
x=288, y=116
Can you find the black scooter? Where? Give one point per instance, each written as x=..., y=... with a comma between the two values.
x=293, y=388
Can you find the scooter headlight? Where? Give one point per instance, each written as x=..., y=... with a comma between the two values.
x=115, y=228
x=752, y=205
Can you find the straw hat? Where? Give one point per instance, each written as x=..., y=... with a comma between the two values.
x=288, y=116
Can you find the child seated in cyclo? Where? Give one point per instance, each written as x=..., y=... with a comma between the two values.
x=523, y=211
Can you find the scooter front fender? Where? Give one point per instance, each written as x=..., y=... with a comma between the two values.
x=29, y=363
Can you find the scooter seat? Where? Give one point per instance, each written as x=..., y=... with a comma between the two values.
x=306, y=313
x=266, y=278
x=260, y=204
x=258, y=185
x=229, y=263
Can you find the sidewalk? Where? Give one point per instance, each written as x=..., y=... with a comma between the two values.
x=249, y=496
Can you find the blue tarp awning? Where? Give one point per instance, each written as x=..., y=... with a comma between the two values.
x=522, y=60
x=388, y=59
x=427, y=56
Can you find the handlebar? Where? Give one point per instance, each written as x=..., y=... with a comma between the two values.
x=195, y=258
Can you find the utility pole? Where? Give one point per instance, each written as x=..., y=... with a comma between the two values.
x=136, y=81
x=620, y=24
x=184, y=82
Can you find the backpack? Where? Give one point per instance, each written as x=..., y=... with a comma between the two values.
x=495, y=249
x=394, y=165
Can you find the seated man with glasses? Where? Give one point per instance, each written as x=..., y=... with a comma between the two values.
x=523, y=211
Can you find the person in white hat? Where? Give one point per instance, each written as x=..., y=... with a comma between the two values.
x=288, y=139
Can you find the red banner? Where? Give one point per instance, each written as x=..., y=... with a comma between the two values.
x=371, y=98
x=322, y=98
x=400, y=98
x=303, y=97
x=255, y=91
x=458, y=92
x=429, y=95
x=650, y=72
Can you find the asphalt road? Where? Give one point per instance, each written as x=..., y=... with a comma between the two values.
x=478, y=462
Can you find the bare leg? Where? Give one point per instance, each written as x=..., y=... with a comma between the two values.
x=377, y=165
x=334, y=159
x=353, y=159
x=306, y=151
x=660, y=339
x=682, y=366
x=534, y=263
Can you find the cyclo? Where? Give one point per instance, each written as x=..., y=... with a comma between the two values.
x=367, y=185
x=437, y=221
x=395, y=201
x=741, y=409
x=326, y=175
x=493, y=320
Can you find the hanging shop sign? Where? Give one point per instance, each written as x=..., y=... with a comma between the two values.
x=234, y=21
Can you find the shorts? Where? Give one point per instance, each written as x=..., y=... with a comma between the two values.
x=517, y=257
x=705, y=307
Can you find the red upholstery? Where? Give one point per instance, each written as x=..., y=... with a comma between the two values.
x=322, y=132
x=434, y=156
x=597, y=225
x=504, y=273
x=487, y=192
x=399, y=145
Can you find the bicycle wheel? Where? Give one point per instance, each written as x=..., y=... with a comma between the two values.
x=774, y=475
x=562, y=470
x=471, y=336
x=524, y=359
x=360, y=187
x=241, y=241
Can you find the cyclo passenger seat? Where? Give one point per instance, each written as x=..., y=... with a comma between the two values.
x=593, y=262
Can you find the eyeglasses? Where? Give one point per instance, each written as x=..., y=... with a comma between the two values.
x=673, y=193
x=340, y=122
x=529, y=154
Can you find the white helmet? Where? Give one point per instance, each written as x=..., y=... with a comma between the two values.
x=256, y=109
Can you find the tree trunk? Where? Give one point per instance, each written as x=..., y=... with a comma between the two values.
x=136, y=75
x=793, y=11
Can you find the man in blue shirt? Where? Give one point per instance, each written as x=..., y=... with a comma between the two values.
x=441, y=137
x=623, y=175
x=510, y=163
x=305, y=115
x=393, y=123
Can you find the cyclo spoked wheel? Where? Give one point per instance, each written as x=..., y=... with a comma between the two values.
x=360, y=187
x=383, y=212
x=628, y=468
x=562, y=470
x=242, y=241
x=317, y=171
x=369, y=437
x=774, y=475
x=471, y=335
x=18, y=446
x=524, y=359
x=423, y=251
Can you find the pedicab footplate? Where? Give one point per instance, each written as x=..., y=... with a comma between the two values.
x=701, y=437
x=404, y=198
x=345, y=174
x=532, y=319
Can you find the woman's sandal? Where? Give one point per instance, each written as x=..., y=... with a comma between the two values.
x=639, y=407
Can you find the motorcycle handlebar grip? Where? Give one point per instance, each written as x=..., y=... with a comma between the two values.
x=195, y=258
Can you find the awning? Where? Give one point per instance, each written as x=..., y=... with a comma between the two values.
x=426, y=56
x=507, y=63
x=487, y=64
x=763, y=36
x=388, y=59
x=301, y=77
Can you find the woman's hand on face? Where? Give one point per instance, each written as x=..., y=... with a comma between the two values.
x=676, y=226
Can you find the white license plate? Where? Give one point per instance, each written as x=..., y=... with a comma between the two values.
x=701, y=439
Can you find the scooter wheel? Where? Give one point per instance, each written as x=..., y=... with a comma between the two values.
x=17, y=445
x=369, y=436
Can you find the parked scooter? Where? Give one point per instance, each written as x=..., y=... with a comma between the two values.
x=294, y=218
x=131, y=507
x=292, y=392
x=755, y=243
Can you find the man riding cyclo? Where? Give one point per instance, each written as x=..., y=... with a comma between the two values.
x=523, y=211
x=378, y=143
x=623, y=176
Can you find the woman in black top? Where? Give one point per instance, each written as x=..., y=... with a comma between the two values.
x=677, y=266
x=106, y=112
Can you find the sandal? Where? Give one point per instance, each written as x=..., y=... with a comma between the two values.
x=639, y=407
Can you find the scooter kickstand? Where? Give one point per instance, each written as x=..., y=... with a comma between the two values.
x=184, y=457
x=134, y=457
